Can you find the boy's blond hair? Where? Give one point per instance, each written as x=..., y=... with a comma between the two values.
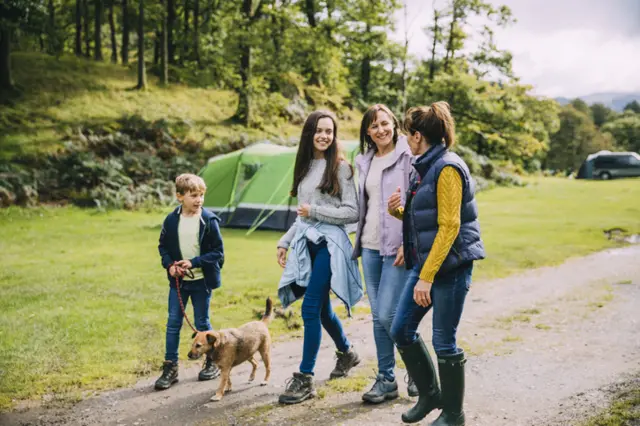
x=188, y=182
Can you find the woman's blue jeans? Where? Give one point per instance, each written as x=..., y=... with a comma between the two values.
x=448, y=293
x=317, y=311
x=384, y=287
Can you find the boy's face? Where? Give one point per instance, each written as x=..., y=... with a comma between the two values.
x=191, y=201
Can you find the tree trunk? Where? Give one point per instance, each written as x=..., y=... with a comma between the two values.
x=78, y=45
x=164, y=62
x=51, y=29
x=185, y=44
x=112, y=27
x=365, y=77
x=156, y=48
x=87, y=37
x=125, y=32
x=243, y=113
x=142, y=75
x=331, y=6
x=449, y=56
x=405, y=53
x=6, y=83
x=196, y=32
x=97, y=53
x=432, y=64
x=171, y=22
x=310, y=11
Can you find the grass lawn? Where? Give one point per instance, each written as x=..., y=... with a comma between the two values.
x=84, y=295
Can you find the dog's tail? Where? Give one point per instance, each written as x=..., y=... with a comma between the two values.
x=268, y=313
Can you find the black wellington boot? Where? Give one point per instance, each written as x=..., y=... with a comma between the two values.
x=451, y=370
x=420, y=367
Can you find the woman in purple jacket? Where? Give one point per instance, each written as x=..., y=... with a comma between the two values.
x=384, y=165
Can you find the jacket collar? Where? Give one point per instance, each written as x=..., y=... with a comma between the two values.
x=426, y=160
x=401, y=148
x=205, y=216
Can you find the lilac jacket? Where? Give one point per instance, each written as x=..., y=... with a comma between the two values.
x=394, y=176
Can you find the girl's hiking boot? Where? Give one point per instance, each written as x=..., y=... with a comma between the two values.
x=169, y=375
x=382, y=390
x=299, y=388
x=345, y=361
x=209, y=372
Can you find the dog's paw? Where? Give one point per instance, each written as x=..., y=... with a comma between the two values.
x=216, y=398
x=264, y=383
x=251, y=379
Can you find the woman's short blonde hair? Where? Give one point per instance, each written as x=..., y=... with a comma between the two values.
x=188, y=182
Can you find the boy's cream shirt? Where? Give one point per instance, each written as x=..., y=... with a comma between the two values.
x=189, y=239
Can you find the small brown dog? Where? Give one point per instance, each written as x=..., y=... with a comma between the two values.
x=233, y=346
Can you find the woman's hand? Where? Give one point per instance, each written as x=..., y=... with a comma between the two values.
x=395, y=201
x=304, y=210
x=422, y=293
x=399, y=257
x=282, y=257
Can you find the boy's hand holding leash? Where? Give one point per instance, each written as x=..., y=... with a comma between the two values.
x=179, y=269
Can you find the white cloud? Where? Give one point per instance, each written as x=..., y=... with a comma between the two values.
x=561, y=47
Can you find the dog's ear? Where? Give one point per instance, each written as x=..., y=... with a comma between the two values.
x=193, y=336
x=211, y=339
x=215, y=339
x=221, y=340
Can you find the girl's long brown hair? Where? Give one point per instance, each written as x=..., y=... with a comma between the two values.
x=434, y=122
x=330, y=183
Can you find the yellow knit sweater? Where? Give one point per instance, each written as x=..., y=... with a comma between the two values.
x=449, y=198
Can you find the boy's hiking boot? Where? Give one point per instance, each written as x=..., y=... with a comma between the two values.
x=209, y=372
x=345, y=362
x=381, y=391
x=169, y=375
x=299, y=388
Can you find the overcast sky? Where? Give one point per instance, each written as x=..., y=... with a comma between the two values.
x=562, y=47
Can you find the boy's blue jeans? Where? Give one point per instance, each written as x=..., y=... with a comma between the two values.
x=200, y=299
x=317, y=311
x=384, y=287
x=448, y=293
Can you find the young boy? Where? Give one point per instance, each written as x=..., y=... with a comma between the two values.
x=191, y=237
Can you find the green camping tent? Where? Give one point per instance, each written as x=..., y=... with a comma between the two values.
x=249, y=188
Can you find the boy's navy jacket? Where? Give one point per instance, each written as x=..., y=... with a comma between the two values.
x=211, y=256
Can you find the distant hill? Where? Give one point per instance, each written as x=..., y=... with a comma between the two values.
x=615, y=101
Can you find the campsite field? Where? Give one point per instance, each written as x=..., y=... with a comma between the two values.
x=84, y=296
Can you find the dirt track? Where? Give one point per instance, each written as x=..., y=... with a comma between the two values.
x=546, y=347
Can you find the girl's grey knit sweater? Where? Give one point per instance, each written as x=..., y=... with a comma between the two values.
x=335, y=210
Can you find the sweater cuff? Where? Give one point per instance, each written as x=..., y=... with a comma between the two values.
x=427, y=275
x=313, y=211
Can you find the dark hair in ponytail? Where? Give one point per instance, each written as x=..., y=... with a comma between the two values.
x=434, y=122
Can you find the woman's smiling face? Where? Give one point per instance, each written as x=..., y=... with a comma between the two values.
x=323, y=137
x=381, y=131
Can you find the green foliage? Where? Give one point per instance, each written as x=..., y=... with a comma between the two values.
x=633, y=106
x=129, y=168
x=576, y=138
x=625, y=129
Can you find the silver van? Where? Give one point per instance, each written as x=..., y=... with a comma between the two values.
x=616, y=165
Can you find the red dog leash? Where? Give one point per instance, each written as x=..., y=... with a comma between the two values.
x=181, y=272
